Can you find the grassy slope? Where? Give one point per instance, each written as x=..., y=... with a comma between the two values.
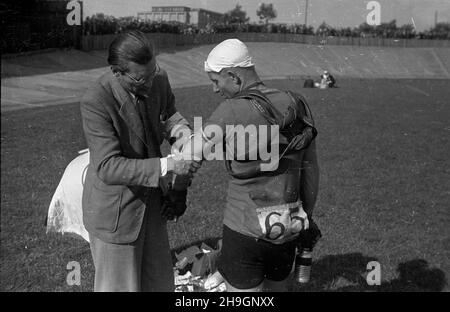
x=383, y=151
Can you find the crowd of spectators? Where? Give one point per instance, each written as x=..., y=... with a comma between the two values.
x=101, y=24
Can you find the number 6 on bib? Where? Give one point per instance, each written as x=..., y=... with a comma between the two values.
x=280, y=223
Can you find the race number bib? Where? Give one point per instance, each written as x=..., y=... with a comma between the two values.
x=282, y=222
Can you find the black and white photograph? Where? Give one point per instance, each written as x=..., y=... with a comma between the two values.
x=205, y=146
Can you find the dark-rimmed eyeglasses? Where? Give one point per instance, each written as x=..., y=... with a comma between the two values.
x=143, y=81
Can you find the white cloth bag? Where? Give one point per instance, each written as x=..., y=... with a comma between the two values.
x=65, y=214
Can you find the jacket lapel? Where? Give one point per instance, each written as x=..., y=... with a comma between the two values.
x=128, y=109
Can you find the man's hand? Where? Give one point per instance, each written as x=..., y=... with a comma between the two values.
x=178, y=145
x=174, y=204
x=182, y=167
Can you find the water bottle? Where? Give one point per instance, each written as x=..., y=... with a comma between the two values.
x=303, y=262
x=180, y=183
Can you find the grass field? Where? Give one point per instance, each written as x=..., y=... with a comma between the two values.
x=384, y=188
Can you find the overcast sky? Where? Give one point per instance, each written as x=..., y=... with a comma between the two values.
x=340, y=13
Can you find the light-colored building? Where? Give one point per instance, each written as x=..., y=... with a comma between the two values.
x=202, y=17
x=167, y=14
x=181, y=14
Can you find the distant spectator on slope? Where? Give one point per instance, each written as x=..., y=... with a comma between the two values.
x=327, y=80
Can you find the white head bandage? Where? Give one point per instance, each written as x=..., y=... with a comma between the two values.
x=228, y=53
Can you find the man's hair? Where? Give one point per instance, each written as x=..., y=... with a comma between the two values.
x=240, y=70
x=247, y=72
x=129, y=46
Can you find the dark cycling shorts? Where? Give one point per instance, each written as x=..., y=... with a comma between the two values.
x=246, y=261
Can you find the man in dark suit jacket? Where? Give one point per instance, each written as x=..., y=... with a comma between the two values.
x=126, y=115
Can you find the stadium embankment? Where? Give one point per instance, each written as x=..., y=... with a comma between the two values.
x=63, y=76
x=281, y=60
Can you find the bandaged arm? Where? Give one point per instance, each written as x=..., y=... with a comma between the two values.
x=177, y=132
x=212, y=134
x=200, y=145
x=176, y=129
